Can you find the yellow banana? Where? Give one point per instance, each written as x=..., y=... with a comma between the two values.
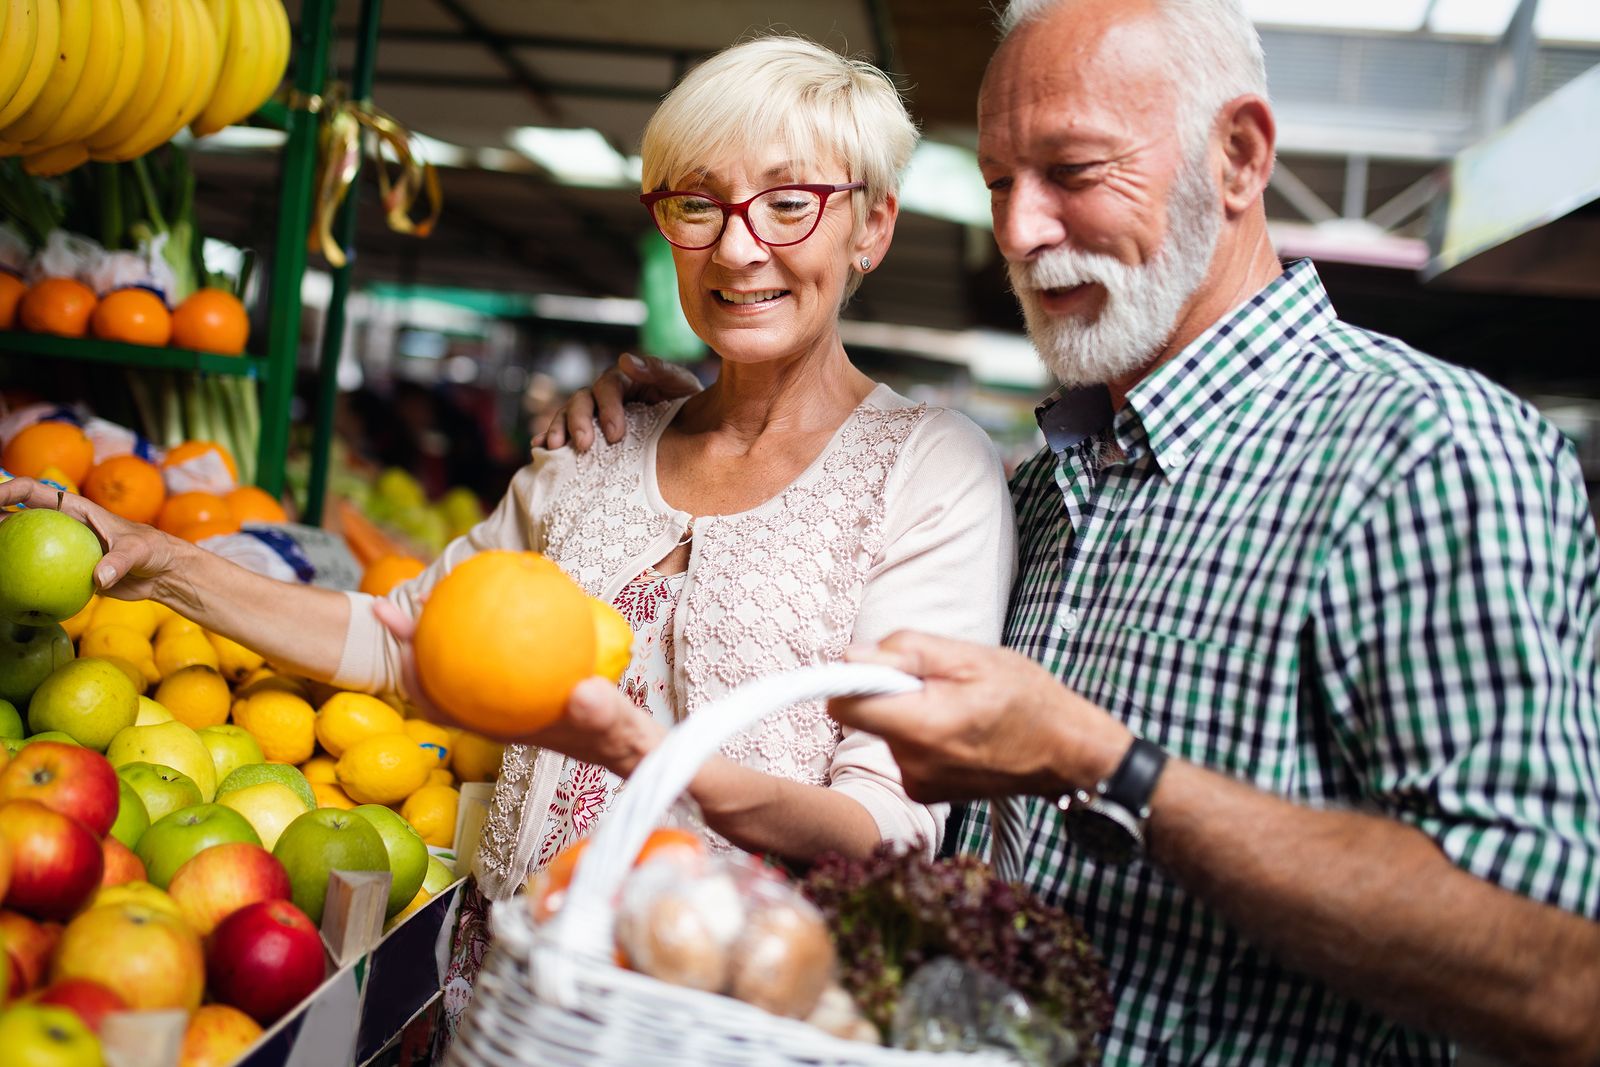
x=103, y=57
x=18, y=36
x=63, y=157
x=277, y=60
x=66, y=67
x=159, y=21
x=247, y=48
x=184, y=69
x=38, y=67
x=221, y=19
x=209, y=60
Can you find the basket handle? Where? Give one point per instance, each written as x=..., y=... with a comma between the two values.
x=584, y=922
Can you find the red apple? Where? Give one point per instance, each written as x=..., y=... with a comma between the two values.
x=90, y=1000
x=217, y=882
x=70, y=779
x=264, y=959
x=28, y=945
x=5, y=867
x=149, y=958
x=217, y=1034
x=121, y=864
x=56, y=861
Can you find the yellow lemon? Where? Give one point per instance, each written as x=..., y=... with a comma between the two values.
x=234, y=660
x=282, y=724
x=431, y=811
x=175, y=625
x=57, y=477
x=197, y=696
x=350, y=717
x=79, y=623
x=265, y=679
x=476, y=758
x=383, y=769
x=613, y=641
x=330, y=795
x=140, y=616
x=175, y=653
x=115, y=641
x=440, y=776
x=433, y=739
x=319, y=769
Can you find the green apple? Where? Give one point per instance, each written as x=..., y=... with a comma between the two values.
x=269, y=807
x=89, y=699
x=172, y=744
x=29, y=655
x=320, y=842
x=48, y=559
x=133, y=818
x=256, y=773
x=12, y=744
x=408, y=854
x=231, y=747
x=174, y=839
x=38, y=1035
x=11, y=721
x=161, y=789
x=439, y=875
x=151, y=713
x=51, y=735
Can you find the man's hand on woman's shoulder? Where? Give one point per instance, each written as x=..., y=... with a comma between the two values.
x=635, y=379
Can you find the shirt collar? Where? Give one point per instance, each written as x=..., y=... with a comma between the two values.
x=1177, y=406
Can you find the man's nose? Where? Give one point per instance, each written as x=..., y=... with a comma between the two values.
x=1028, y=220
x=739, y=246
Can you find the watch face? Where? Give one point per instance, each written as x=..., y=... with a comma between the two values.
x=1101, y=834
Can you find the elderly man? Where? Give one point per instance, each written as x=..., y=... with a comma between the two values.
x=1302, y=672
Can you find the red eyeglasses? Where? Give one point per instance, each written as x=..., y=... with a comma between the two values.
x=782, y=215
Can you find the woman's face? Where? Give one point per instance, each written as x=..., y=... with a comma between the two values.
x=753, y=303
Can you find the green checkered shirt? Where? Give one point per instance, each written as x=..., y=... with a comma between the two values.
x=1340, y=571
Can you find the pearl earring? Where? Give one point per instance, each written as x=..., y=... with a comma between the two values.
x=866, y=264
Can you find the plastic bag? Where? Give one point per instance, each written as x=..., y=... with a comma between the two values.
x=64, y=255
x=14, y=250
x=143, y=268
x=204, y=473
x=950, y=1006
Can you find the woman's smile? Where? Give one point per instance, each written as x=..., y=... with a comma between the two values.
x=749, y=301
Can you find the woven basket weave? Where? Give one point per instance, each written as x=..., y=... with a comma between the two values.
x=551, y=996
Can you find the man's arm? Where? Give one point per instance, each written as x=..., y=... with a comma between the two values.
x=634, y=379
x=1366, y=903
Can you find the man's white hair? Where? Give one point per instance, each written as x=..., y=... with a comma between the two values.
x=1215, y=55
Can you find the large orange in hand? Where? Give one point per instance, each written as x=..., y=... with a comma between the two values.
x=502, y=640
x=127, y=486
x=47, y=444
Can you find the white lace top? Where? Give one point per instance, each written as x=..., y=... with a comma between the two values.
x=902, y=522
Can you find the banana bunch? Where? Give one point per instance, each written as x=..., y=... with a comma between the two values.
x=111, y=80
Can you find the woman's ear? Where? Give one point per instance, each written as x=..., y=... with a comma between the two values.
x=1249, y=144
x=871, y=241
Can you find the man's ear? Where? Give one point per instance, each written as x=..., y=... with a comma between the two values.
x=872, y=240
x=1249, y=142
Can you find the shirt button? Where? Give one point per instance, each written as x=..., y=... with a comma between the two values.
x=1069, y=622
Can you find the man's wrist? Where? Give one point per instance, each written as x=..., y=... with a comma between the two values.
x=1085, y=757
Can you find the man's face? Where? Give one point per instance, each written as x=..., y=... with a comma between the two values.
x=1106, y=228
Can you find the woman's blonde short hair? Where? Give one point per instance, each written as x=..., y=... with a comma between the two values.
x=786, y=90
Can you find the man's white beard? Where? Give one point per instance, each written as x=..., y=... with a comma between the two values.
x=1141, y=305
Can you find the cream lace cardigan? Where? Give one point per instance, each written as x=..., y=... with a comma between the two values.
x=903, y=521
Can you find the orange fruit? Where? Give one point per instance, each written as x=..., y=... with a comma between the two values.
x=186, y=509
x=47, y=444
x=502, y=641
x=136, y=316
x=195, y=449
x=211, y=320
x=195, y=532
x=251, y=504
x=61, y=306
x=666, y=840
x=127, y=486
x=11, y=290
x=388, y=572
x=547, y=890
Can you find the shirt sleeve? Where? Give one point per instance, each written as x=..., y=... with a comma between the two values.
x=370, y=661
x=1457, y=633
x=946, y=568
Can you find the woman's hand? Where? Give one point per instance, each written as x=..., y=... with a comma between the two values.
x=600, y=725
x=639, y=379
x=137, y=557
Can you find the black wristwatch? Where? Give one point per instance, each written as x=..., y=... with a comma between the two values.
x=1109, y=823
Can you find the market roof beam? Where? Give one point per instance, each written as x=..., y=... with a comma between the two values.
x=420, y=35
x=520, y=72
x=490, y=83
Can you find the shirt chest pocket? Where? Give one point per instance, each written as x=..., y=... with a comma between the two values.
x=1213, y=704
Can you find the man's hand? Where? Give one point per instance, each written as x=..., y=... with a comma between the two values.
x=988, y=723
x=635, y=379
x=136, y=557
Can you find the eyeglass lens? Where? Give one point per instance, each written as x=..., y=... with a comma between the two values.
x=779, y=216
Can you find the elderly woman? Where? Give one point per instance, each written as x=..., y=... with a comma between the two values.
x=764, y=524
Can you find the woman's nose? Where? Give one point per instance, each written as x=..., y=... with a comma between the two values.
x=739, y=246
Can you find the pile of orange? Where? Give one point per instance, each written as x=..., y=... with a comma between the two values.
x=189, y=450
x=209, y=320
x=11, y=290
x=386, y=573
x=61, y=306
x=250, y=504
x=50, y=445
x=127, y=486
x=196, y=516
x=134, y=316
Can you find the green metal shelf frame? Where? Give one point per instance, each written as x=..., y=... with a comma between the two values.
x=121, y=355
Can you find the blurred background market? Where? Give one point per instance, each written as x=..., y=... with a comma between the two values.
x=1437, y=159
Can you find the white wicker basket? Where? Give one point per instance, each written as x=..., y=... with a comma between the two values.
x=551, y=995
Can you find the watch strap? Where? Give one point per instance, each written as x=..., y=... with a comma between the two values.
x=1131, y=784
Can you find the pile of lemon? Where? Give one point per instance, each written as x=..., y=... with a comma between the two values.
x=353, y=748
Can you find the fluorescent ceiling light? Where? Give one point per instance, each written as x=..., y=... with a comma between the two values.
x=440, y=153
x=576, y=157
x=240, y=138
x=1348, y=14
x=944, y=181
